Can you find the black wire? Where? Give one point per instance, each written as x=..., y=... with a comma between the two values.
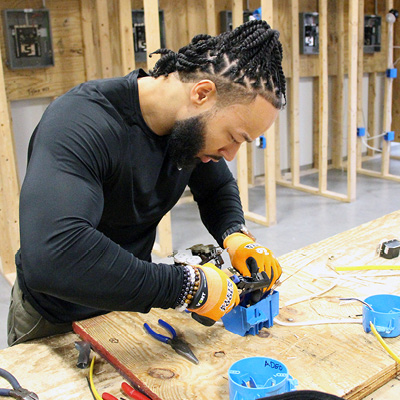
x=90, y=388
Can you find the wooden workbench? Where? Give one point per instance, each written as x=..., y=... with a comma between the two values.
x=337, y=358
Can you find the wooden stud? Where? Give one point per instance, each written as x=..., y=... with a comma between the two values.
x=352, y=102
x=195, y=12
x=294, y=94
x=315, y=124
x=338, y=91
x=9, y=187
x=152, y=27
x=372, y=104
x=269, y=153
x=323, y=95
x=277, y=155
x=250, y=163
x=360, y=74
x=104, y=38
x=211, y=18
x=89, y=52
x=164, y=246
x=126, y=36
x=387, y=105
x=396, y=83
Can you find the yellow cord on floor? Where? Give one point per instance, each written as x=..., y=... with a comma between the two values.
x=95, y=392
x=381, y=341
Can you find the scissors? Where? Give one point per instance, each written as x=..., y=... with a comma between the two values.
x=177, y=343
x=17, y=391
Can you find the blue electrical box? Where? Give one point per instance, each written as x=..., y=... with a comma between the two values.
x=261, y=142
x=389, y=136
x=391, y=73
x=250, y=320
x=360, y=131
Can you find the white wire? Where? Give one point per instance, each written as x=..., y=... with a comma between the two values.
x=370, y=147
x=319, y=322
x=370, y=137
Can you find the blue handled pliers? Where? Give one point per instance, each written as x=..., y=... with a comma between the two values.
x=178, y=344
x=17, y=391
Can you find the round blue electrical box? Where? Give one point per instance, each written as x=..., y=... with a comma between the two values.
x=385, y=314
x=256, y=377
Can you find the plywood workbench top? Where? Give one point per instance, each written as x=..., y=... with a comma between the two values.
x=337, y=358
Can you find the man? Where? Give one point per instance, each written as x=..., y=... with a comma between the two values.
x=111, y=157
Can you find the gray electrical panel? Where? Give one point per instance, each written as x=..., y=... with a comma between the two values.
x=309, y=33
x=372, y=33
x=225, y=19
x=139, y=34
x=28, y=38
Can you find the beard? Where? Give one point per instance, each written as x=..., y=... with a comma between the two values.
x=186, y=141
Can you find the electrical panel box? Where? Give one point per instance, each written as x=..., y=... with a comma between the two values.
x=225, y=19
x=28, y=38
x=309, y=32
x=139, y=34
x=372, y=33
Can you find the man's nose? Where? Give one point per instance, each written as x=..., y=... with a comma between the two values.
x=229, y=151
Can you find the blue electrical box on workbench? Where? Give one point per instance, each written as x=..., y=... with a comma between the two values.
x=250, y=320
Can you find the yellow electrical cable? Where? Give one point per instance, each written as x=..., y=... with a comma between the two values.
x=381, y=341
x=366, y=267
x=95, y=392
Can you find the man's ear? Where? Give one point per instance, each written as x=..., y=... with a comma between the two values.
x=203, y=92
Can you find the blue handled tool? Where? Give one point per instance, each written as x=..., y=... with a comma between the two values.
x=17, y=392
x=177, y=343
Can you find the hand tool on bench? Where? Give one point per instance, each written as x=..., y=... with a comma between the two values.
x=177, y=343
x=84, y=354
x=133, y=393
x=17, y=391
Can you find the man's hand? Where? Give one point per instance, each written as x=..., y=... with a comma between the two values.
x=215, y=297
x=249, y=257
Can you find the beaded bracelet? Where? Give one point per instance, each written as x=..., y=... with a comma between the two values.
x=191, y=280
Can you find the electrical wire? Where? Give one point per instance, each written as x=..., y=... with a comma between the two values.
x=94, y=391
x=369, y=137
x=319, y=322
x=396, y=61
x=305, y=298
x=382, y=342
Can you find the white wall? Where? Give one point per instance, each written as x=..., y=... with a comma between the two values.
x=25, y=116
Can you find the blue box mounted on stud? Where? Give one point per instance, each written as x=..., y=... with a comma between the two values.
x=389, y=136
x=250, y=320
x=261, y=142
x=360, y=131
x=391, y=73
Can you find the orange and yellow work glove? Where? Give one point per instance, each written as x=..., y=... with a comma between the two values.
x=216, y=295
x=249, y=257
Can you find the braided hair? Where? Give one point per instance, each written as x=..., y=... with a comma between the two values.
x=249, y=56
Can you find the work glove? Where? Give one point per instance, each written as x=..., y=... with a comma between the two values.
x=216, y=296
x=249, y=257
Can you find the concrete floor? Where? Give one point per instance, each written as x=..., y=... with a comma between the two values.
x=303, y=218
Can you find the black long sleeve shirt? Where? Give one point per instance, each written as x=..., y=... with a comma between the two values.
x=97, y=184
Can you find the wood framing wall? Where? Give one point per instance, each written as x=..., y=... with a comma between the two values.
x=93, y=39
